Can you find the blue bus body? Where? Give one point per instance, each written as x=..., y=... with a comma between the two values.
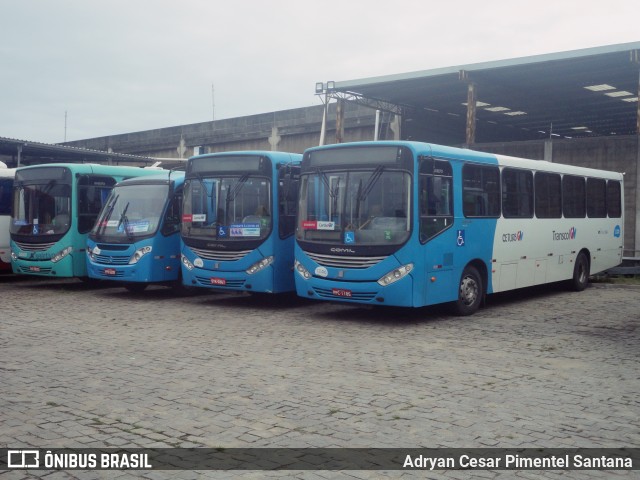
x=136, y=238
x=54, y=208
x=238, y=221
x=412, y=224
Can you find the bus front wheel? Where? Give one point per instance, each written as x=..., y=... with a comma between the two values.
x=470, y=292
x=580, y=278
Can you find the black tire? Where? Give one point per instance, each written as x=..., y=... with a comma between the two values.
x=470, y=292
x=580, y=278
x=136, y=287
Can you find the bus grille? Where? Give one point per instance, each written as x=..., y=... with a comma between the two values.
x=340, y=261
x=220, y=255
x=118, y=274
x=35, y=247
x=233, y=284
x=357, y=296
x=112, y=260
x=42, y=271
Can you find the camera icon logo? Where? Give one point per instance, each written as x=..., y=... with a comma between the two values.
x=23, y=458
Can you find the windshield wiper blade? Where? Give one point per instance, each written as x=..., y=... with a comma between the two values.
x=105, y=219
x=373, y=179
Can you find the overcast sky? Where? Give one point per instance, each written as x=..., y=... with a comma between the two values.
x=121, y=66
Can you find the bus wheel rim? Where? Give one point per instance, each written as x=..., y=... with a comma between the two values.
x=468, y=290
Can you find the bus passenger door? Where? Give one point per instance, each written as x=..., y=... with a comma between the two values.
x=437, y=237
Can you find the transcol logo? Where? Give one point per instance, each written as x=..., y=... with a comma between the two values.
x=513, y=237
x=570, y=235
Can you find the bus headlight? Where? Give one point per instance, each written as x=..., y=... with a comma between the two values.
x=395, y=275
x=256, y=267
x=61, y=254
x=91, y=255
x=139, y=253
x=304, y=273
x=14, y=257
x=186, y=262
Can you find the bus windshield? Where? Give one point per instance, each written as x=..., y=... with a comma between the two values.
x=365, y=207
x=41, y=209
x=227, y=208
x=131, y=211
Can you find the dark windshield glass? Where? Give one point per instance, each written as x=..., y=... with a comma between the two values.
x=368, y=207
x=232, y=208
x=132, y=211
x=41, y=209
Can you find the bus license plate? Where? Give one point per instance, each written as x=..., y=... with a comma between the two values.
x=340, y=292
x=34, y=269
x=218, y=281
x=110, y=271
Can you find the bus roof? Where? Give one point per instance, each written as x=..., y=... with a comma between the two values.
x=454, y=153
x=277, y=157
x=177, y=177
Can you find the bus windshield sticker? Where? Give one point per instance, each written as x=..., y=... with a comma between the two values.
x=310, y=225
x=140, y=226
x=245, y=230
x=199, y=217
x=349, y=237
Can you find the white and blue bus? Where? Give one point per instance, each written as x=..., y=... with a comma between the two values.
x=238, y=221
x=414, y=224
x=136, y=238
x=6, y=193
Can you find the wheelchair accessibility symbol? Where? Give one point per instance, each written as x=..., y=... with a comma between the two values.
x=460, y=238
x=349, y=237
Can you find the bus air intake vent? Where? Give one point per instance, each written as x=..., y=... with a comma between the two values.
x=339, y=261
x=34, y=247
x=221, y=256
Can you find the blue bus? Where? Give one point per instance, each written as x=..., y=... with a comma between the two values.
x=54, y=208
x=414, y=224
x=136, y=238
x=238, y=221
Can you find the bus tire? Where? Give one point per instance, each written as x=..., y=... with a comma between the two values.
x=136, y=287
x=580, y=278
x=470, y=292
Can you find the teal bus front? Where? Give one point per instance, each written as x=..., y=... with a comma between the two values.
x=238, y=221
x=136, y=238
x=54, y=208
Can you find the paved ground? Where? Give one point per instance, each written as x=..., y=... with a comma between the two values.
x=98, y=367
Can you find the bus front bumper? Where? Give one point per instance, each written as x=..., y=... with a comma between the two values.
x=398, y=294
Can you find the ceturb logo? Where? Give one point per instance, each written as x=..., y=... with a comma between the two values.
x=570, y=235
x=513, y=237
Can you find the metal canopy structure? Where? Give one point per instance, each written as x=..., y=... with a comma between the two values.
x=16, y=153
x=587, y=92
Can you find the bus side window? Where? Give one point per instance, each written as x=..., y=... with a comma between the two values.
x=436, y=198
x=173, y=216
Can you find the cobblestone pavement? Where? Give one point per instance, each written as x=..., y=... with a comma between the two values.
x=102, y=367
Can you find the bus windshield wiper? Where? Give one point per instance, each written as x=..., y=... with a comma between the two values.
x=105, y=218
x=124, y=220
x=363, y=192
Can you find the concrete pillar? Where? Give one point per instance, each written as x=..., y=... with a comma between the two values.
x=340, y=121
x=548, y=150
x=395, y=125
x=470, y=137
x=274, y=139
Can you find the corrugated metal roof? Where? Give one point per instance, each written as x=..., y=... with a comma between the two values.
x=531, y=94
x=37, y=153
